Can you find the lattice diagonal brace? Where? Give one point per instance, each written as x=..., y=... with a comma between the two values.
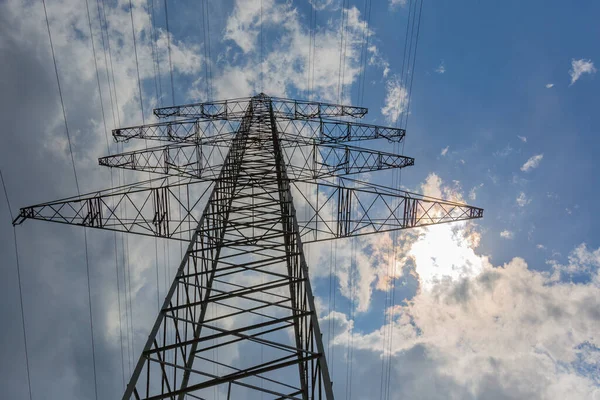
x=239, y=318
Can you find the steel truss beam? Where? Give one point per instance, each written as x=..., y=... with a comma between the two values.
x=359, y=211
x=304, y=162
x=282, y=108
x=150, y=211
x=217, y=132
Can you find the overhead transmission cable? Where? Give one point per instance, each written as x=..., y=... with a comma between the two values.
x=20, y=285
x=112, y=70
x=365, y=52
x=87, y=263
x=155, y=56
x=121, y=178
x=169, y=51
x=343, y=15
x=108, y=150
x=137, y=65
x=262, y=72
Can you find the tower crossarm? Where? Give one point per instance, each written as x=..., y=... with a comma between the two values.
x=186, y=160
x=168, y=208
x=304, y=162
x=337, y=211
x=159, y=208
x=291, y=131
x=318, y=161
x=197, y=131
x=282, y=108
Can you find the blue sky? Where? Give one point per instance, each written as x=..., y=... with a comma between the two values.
x=502, y=115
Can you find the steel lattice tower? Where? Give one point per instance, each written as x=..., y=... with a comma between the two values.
x=242, y=289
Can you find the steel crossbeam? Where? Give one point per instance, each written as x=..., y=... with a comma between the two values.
x=304, y=162
x=282, y=108
x=292, y=131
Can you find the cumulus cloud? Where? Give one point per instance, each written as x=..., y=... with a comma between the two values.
x=377, y=59
x=506, y=234
x=523, y=200
x=476, y=330
x=396, y=100
x=549, y=85
x=441, y=68
x=580, y=67
x=522, y=138
x=286, y=60
x=396, y=3
x=533, y=162
x=320, y=4
x=506, y=332
x=444, y=151
x=473, y=191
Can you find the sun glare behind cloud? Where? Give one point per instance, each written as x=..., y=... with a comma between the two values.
x=446, y=252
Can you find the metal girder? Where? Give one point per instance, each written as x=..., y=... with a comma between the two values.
x=291, y=131
x=282, y=108
x=156, y=208
x=304, y=162
x=346, y=210
x=185, y=160
x=168, y=208
x=320, y=161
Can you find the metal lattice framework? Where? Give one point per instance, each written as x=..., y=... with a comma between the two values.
x=225, y=186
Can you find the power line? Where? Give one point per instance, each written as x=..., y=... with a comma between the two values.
x=114, y=86
x=137, y=66
x=169, y=51
x=209, y=51
x=206, y=60
x=20, y=286
x=155, y=57
x=413, y=67
x=108, y=150
x=343, y=15
x=87, y=263
x=104, y=29
x=366, y=38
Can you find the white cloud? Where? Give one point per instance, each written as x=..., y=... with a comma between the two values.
x=441, y=68
x=286, y=60
x=395, y=3
x=444, y=151
x=523, y=200
x=378, y=60
x=396, y=100
x=473, y=191
x=522, y=138
x=504, y=152
x=532, y=163
x=320, y=4
x=580, y=67
x=506, y=332
x=540, y=246
x=507, y=234
x=549, y=85
x=480, y=331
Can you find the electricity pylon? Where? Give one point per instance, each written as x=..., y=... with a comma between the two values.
x=239, y=317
